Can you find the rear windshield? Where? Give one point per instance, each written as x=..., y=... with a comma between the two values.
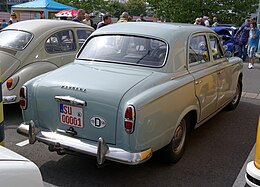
x=125, y=49
x=17, y=40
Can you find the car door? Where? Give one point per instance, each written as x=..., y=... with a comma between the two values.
x=225, y=72
x=204, y=73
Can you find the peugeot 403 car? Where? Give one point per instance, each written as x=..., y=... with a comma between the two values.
x=133, y=89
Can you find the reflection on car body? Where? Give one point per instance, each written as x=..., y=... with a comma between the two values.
x=35, y=47
x=16, y=170
x=133, y=89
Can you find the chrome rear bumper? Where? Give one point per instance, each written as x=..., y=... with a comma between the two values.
x=101, y=150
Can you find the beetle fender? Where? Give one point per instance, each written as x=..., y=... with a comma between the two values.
x=25, y=74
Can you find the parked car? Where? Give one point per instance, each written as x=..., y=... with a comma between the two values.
x=228, y=37
x=253, y=168
x=33, y=47
x=16, y=170
x=133, y=89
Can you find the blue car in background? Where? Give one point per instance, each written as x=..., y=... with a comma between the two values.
x=227, y=34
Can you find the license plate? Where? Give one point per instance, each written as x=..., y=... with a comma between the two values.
x=71, y=115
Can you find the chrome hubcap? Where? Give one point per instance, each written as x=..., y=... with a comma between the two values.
x=179, y=137
x=237, y=95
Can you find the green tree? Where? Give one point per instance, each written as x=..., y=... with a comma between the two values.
x=115, y=8
x=227, y=11
x=87, y=5
x=136, y=7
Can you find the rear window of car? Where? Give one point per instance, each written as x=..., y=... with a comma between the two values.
x=124, y=49
x=13, y=39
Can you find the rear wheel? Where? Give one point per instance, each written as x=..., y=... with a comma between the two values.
x=175, y=149
x=233, y=104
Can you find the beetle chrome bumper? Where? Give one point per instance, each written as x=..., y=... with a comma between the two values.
x=9, y=99
x=101, y=150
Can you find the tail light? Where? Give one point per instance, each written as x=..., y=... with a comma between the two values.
x=9, y=83
x=129, y=119
x=12, y=82
x=23, y=97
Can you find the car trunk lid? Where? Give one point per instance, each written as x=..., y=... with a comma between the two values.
x=86, y=97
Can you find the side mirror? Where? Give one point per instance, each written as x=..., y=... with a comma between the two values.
x=228, y=54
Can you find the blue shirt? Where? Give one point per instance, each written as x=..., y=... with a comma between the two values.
x=4, y=24
x=244, y=32
x=253, y=41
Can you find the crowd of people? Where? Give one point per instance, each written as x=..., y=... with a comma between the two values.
x=205, y=21
x=248, y=38
x=83, y=17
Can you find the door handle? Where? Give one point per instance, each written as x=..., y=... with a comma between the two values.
x=220, y=72
x=70, y=100
x=198, y=82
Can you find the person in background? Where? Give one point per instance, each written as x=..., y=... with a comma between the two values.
x=130, y=19
x=124, y=17
x=252, y=44
x=4, y=24
x=215, y=22
x=243, y=35
x=206, y=21
x=13, y=18
x=87, y=20
x=141, y=18
x=80, y=16
x=107, y=19
x=202, y=21
x=197, y=21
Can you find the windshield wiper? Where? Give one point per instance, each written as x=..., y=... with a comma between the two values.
x=139, y=60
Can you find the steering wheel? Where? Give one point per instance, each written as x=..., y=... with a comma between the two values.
x=158, y=50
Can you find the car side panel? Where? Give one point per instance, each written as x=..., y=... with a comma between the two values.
x=227, y=81
x=205, y=84
x=158, y=111
x=20, y=173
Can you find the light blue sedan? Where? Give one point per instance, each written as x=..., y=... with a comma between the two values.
x=133, y=89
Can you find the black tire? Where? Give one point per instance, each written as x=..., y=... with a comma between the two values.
x=233, y=104
x=173, y=152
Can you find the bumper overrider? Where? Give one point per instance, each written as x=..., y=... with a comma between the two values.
x=101, y=150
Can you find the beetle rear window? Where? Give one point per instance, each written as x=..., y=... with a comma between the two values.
x=125, y=49
x=13, y=39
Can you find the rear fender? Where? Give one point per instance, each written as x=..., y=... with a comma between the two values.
x=23, y=75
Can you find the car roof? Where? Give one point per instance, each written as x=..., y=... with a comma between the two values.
x=41, y=25
x=166, y=31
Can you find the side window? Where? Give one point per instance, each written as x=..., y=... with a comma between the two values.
x=198, y=49
x=215, y=47
x=82, y=36
x=62, y=41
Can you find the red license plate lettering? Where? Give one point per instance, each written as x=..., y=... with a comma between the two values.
x=71, y=115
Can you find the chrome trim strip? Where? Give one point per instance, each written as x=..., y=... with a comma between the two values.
x=9, y=99
x=70, y=100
